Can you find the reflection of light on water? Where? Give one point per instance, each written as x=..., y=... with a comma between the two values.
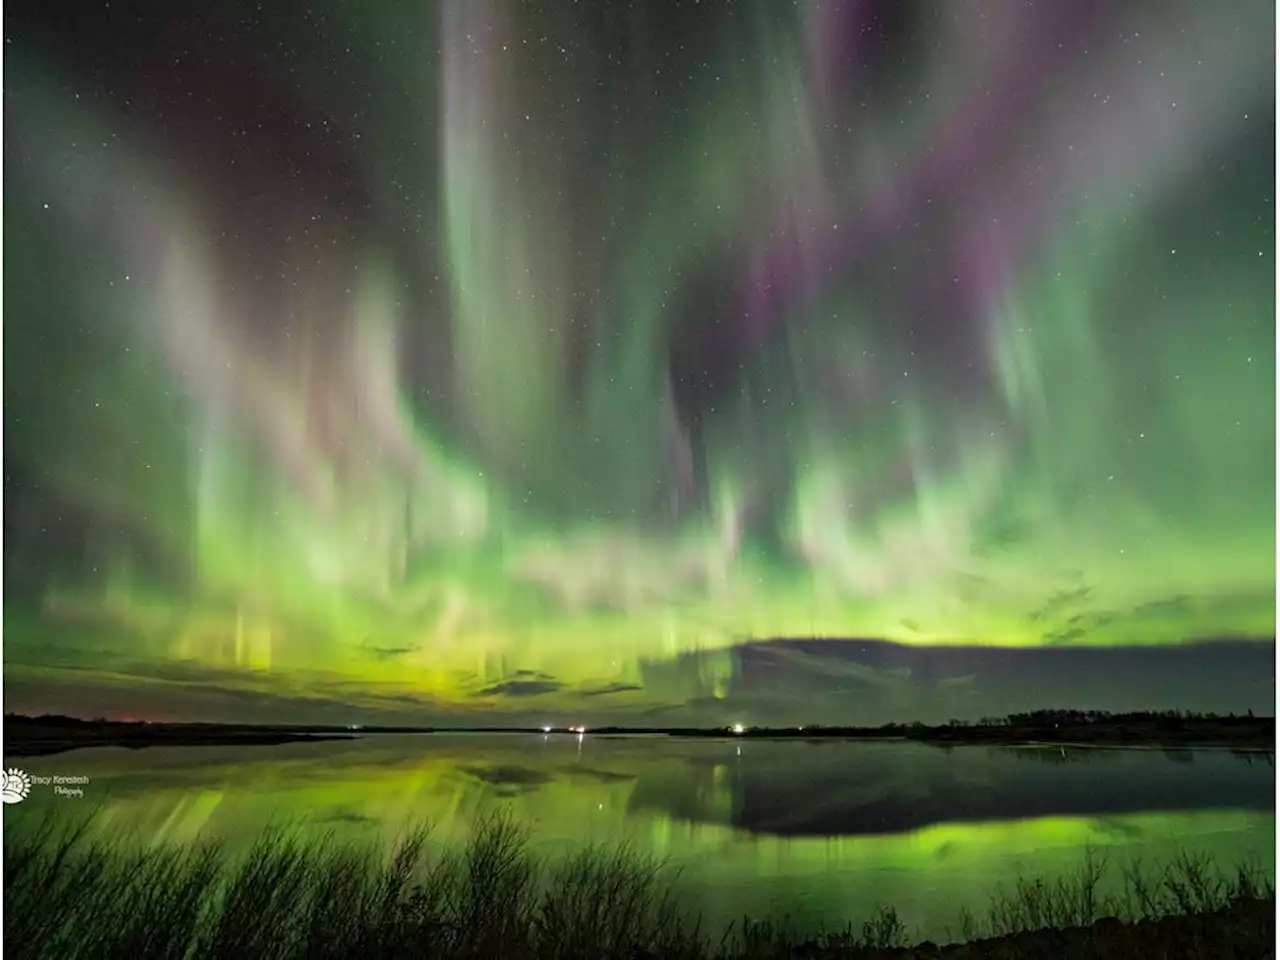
x=929, y=874
x=629, y=790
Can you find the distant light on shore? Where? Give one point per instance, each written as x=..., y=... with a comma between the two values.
x=738, y=728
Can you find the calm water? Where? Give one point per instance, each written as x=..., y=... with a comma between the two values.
x=822, y=831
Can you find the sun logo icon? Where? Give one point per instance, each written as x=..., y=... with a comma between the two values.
x=14, y=785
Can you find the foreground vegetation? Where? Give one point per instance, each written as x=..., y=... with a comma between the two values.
x=68, y=894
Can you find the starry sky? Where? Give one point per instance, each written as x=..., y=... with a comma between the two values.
x=842, y=360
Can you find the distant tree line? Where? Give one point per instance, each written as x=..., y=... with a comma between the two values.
x=1036, y=718
x=1042, y=718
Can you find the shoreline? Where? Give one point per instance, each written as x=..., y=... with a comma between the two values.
x=43, y=736
x=44, y=744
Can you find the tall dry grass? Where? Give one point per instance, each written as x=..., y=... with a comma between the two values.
x=69, y=894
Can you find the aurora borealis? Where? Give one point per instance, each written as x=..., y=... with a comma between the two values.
x=487, y=359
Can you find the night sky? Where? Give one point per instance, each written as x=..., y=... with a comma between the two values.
x=522, y=361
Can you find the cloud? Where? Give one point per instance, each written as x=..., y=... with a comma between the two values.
x=1172, y=607
x=386, y=653
x=1065, y=636
x=613, y=688
x=1061, y=601
x=602, y=776
x=1094, y=619
x=521, y=688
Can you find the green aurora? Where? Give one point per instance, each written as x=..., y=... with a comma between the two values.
x=482, y=359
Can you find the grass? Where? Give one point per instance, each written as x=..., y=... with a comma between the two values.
x=1188, y=884
x=67, y=894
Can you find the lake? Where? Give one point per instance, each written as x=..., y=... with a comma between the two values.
x=822, y=831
